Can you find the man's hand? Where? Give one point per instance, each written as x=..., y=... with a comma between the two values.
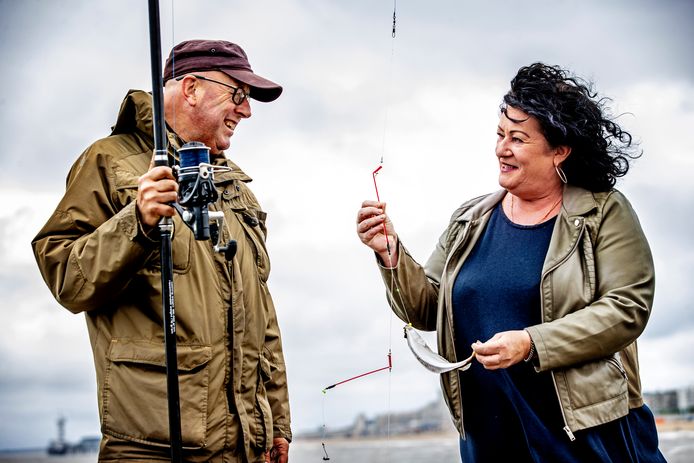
x=503, y=350
x=155, y=191
x=279, y=453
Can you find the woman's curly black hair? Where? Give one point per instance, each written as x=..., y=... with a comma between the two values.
x=570, y=114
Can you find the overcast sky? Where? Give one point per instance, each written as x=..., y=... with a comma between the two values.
x=427, y=101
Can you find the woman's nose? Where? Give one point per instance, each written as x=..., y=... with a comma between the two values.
x=502, y=148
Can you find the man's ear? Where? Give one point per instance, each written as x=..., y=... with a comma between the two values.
x=189, y=89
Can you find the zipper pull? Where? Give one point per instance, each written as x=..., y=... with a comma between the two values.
x=569, y=433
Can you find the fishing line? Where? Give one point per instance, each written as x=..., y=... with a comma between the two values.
x=173, y=59
x=385, y=231
x=389, y=366
x=394, y=288
x=326, y=457
x=418, y=346
x=389, y=87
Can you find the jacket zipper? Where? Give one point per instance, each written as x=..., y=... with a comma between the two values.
x=566, y=428
x=618, y=365
x=230, y=393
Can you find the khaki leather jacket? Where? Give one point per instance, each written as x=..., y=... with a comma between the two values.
x=596, y=288
x=96, y=259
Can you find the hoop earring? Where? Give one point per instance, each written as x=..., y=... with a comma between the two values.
x=561, y=174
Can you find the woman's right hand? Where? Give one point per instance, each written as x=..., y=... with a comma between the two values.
x=370, y=220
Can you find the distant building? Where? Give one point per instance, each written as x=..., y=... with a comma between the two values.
x=685, y=399
x=60, y=446
x=672, y=401
x=87, y=445
x=433, y=417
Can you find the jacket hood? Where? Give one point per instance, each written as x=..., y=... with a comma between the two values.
x=135, y=115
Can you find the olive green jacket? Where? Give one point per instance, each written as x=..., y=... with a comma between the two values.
x=96, y=258
x=596, y=288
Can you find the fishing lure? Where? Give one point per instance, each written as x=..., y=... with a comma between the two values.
x=430, y=359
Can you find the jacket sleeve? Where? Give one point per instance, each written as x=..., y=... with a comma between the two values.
x=91, y=245
x=413, y=290
x=624, y=286
x=276, y=384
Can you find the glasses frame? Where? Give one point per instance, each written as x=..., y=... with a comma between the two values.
x=238, y=95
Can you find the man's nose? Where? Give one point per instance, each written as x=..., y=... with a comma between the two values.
x=244, y=108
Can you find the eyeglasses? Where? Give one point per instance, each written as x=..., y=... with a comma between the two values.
x=238, y=95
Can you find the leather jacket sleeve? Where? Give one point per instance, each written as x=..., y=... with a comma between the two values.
x=615, y=268
x=413, y=291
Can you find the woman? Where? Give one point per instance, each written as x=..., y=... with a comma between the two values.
x=553, y=271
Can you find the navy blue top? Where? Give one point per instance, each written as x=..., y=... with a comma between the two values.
x=513, y=414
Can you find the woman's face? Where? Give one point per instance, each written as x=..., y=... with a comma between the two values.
x=526, y=160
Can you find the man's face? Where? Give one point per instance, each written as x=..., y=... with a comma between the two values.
x=215, y=116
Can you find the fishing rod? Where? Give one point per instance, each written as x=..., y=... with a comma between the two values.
x=161, y=158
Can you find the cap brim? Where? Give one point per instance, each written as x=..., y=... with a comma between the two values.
x=262, y=89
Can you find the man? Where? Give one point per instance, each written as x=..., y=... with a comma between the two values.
x=99, y=254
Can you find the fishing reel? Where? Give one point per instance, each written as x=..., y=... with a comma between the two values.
x=196, y=191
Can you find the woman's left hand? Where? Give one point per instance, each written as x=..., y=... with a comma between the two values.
x=503, y=350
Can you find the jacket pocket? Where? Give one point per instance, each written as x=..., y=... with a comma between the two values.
x=181, y=249
x=260, y=426
x=595, y=382
x=252, y=223
x=135, y=405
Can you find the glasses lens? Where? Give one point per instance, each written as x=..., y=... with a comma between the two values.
x=239, y=96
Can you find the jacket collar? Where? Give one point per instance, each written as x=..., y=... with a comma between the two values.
x=576, y=201
x=135, y=116
x=484, y=205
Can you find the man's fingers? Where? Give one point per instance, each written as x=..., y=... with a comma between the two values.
x=165, y=185
x=153, y=195
x=163, y=210
x=158, y=173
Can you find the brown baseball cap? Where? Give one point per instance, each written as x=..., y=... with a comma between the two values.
x=219, y=55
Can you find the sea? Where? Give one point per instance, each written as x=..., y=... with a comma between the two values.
x=677, y=447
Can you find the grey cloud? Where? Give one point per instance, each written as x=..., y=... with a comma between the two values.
x=669, y=232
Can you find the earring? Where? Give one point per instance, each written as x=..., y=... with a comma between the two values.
x=560, y=173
